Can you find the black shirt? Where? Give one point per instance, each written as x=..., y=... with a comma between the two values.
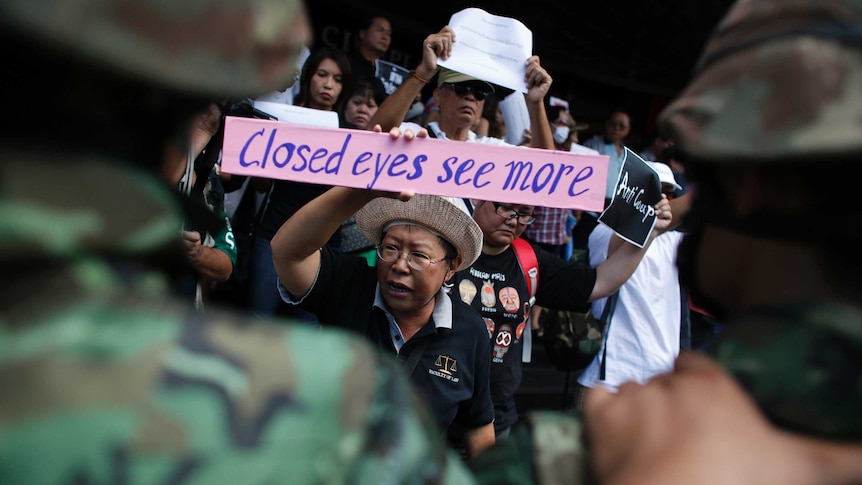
x=360, y=67
x=286, y=198
x=453, y=374
x=495, y=286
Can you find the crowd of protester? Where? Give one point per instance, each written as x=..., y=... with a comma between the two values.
x=209, y=374
x=344, y=82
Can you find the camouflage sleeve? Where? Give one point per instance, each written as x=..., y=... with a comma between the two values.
x=544, y=448
x=800, y=363
x=153, y=394
x=352, y=417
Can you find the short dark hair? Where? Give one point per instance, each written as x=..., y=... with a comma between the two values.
x=367, y=20
x=370, y=86
x=623, y=110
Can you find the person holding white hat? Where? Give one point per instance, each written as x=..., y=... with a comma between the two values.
x=400, y=304
x=461, y=98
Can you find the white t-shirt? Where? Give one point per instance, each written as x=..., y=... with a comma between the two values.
x=434, y=131
x=641, y=339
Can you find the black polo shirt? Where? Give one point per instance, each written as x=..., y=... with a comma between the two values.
x=452, y=376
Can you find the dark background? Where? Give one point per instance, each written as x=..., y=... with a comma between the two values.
x=602, y=54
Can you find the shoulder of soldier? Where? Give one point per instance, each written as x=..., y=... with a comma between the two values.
x=211, y=392
x=799, y=361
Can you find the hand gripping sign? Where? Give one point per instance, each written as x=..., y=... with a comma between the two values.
x=364, y=159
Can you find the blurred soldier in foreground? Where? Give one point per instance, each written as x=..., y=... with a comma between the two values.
x=772, y=122
x=103, y=377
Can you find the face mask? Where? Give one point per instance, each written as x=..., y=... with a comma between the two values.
x=561, y=134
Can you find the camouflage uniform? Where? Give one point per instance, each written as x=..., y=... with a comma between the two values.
x=545, y=448
x=105, y=378
x=780, y=82
x=801, y=364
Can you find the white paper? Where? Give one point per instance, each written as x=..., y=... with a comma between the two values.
x=582, y=149
x=298, y=114
x=490, y=47
x=516, y=116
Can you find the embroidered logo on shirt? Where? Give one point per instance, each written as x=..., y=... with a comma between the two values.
x=447, y=367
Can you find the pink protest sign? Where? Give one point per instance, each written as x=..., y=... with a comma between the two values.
x=364, y=159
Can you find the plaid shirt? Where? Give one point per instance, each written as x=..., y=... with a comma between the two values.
x=549, y=226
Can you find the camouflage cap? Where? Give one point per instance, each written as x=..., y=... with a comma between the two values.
x=213, y=47
x=778, y=80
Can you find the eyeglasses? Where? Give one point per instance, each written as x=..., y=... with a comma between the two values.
x=416, y=260
x=509, y=213
x=461, y=89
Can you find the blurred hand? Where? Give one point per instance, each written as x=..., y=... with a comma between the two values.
x=694, y=425
x=207, y=122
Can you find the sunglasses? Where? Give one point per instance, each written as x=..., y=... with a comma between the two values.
x=461, y=89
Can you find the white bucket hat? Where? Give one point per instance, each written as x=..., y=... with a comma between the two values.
x=665, y=174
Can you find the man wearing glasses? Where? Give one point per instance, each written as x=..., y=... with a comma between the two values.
x=490, y=283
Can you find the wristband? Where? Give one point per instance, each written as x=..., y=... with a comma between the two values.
x=424, y=81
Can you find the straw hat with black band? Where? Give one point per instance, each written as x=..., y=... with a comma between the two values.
x=440, y=215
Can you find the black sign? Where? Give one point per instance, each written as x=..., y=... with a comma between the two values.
x=391, y=75
x=631, y=213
